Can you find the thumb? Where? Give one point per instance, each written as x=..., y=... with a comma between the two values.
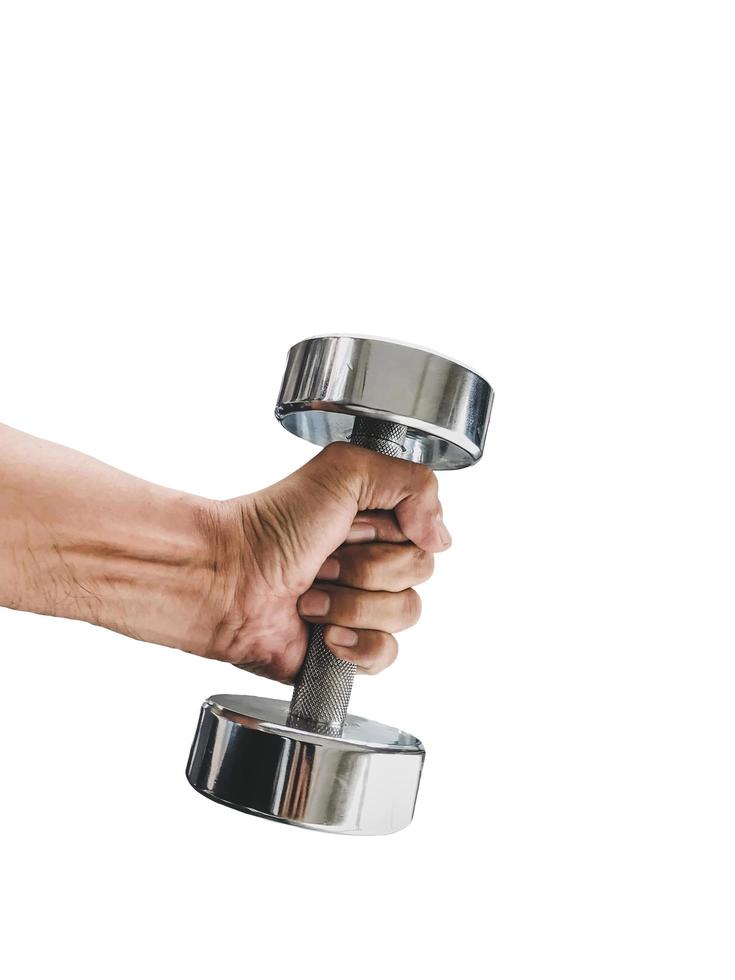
x=378, y=482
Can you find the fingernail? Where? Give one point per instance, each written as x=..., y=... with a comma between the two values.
x=330, y=569
x=444, y=536
x=360, y=531
x=314, y=603
x=341, y=637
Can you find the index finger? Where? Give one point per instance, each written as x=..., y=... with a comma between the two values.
x=382, y=522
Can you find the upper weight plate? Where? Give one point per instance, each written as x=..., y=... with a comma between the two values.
x=329, y=380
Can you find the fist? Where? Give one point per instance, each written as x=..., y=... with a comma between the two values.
x=342, y=542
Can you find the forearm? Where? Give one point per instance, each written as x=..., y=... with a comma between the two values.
x=83, y=540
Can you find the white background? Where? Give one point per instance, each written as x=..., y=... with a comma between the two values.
x=542, y=190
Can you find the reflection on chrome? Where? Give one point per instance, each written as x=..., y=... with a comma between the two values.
x=245, y=756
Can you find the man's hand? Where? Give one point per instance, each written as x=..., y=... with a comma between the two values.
x=342, y=542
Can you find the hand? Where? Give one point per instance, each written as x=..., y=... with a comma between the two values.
x=342, y=541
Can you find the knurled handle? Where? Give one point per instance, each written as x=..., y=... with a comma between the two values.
x=322, y=692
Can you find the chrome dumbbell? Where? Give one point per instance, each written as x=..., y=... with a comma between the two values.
x=310, y=763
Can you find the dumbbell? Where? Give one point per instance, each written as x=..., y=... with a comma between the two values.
x=310, y=763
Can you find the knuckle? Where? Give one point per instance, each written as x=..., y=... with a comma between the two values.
x=369, y=566
x=391, y=648
x=358, y=607
x=335, y=450
x=424, y=480
x=365, y=575
x=423, y=564
x=384, y=653
x=333, y=467
x=431, y=482
x=412, y=606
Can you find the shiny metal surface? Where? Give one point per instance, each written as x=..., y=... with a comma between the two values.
x=329, y=380
x=246, y=756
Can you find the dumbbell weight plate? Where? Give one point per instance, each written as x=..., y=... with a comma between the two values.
x=330, y=380
x=247, y=756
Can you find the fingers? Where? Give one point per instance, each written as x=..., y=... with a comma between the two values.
x=363, y=593
x=375, y=525
x=378, y=567
x=356, y=609
x=381, y=483
x=371, y=650
x=390, y=564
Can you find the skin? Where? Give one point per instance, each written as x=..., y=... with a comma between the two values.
x=342, y=541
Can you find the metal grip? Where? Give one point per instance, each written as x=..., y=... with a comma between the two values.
x=322, y=692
